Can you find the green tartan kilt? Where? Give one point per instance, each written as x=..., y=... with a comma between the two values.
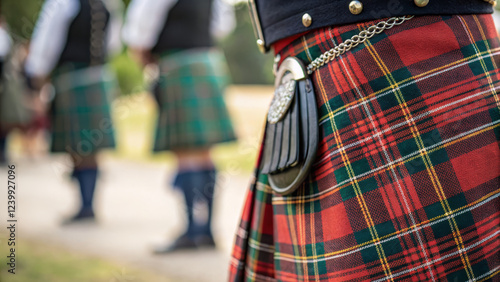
x=189, y=93
x=81, y=110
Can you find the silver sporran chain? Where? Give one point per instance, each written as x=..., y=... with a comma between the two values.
x=354, y=41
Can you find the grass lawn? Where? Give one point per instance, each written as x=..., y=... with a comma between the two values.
x=37, y=262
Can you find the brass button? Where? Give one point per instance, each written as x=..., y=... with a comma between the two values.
x=306, y=20
x=261, y=45
x=355, y=7
x=421, y=3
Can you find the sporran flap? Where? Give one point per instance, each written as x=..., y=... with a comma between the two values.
x=291, y=136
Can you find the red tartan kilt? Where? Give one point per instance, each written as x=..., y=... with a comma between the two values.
x=406, y=183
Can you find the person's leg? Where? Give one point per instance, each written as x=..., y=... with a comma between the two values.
x=200, y=168
x=207, y=178
x=191, y=180
x=85, y=172
x=184, y=182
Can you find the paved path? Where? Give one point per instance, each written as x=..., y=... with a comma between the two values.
x=136, y=212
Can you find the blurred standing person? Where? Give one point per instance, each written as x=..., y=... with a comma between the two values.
x=69, y=45
x=178, y=37
x=5, y=43
x=19, y=108
x=5, y=46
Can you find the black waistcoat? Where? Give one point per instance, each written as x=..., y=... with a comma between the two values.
x=187, y=26
x=283, y=18
x=84, y=45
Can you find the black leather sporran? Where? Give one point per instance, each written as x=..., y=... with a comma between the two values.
x=291, y=137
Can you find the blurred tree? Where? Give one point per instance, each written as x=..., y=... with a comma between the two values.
x=21, y=17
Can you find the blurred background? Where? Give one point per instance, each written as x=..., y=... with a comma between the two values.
x=137, y=208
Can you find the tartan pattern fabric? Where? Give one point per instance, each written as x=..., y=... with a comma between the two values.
x=190, y=91
x=81, y=110
x=406, y=183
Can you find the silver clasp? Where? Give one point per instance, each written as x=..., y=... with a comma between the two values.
x=257, y=28
x=290, y=71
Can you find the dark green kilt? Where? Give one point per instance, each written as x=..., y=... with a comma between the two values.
x=190, y=91
x=81, y=110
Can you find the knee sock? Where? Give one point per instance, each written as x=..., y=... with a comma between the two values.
x=197, y=185
x=209, y=178
x=87, y=179
x=183, y=181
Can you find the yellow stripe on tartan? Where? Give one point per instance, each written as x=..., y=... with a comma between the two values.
x=302, y=232
x=401, y=231
x=483, y=64
x=256, y=277
x=416, y=77
x=313, y=238
x=425, y=157
x=490, y=83
x=263, y=187
x=490, y=276
x=306, y=48
x=301, y=223
x=373, y=173
x=483, y=36
x=355, y=184
x=280, y=200
x=293, y=236
x=254, y=256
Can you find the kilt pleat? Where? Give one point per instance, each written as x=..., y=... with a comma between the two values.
x=81, y=120
x=406, y=182
x=190, y=90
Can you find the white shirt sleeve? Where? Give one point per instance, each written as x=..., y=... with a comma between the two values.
x=50, y=36
x=223, y=19
x=144, y=22
x=5, y=43
x=113, y=38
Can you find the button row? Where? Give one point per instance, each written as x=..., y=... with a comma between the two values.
x=356, y=7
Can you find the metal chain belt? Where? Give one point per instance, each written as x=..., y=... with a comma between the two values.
x=354, y=41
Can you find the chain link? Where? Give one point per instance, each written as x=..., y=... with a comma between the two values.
x=354, y=41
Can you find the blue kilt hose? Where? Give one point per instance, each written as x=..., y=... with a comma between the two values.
x=190, y=91
x=81, y=110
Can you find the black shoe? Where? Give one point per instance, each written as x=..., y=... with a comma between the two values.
x=182, y=243
x=84, y=215
x=205, y=241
